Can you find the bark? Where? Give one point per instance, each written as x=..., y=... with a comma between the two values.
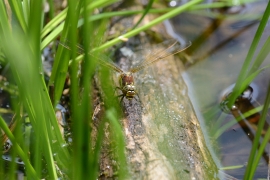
x=163, y=135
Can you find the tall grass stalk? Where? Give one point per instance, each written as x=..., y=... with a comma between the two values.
x=25, y=66
x=160, y=19
x=30, y=170
x=247, y=74
x=239, y=86
x=54, y=28
x=255, y=155
x=22, y=39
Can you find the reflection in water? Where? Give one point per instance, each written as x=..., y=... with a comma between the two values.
x=243, y=104
x=219, y=47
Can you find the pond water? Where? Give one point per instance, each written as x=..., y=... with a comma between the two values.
x=213, y=62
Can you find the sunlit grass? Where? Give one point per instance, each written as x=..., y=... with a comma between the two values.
x=27, y=36
x=27, y=73
x=248, y=68
x=248, y=73
x=251, y=69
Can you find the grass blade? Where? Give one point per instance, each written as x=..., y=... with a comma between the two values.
x=254, y=155
x=136, y=31
x=243, y=73
x=29, y=168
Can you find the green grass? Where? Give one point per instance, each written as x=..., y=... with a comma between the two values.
x=26, y=35
x=23, y=37
x=246, y=74
x=250, y=70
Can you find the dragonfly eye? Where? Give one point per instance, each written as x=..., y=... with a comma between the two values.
x=129, y=88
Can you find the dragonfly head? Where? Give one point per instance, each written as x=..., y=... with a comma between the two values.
x=129, y=91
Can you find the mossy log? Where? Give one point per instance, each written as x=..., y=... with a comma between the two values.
x=163, y=136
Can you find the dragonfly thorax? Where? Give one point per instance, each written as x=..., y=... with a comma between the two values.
x=126, y=82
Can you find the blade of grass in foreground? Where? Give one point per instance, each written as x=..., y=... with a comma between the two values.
x=79, y=122
x=119, y=139
x=259, y=153
x=17, y=10
x=261, y=56
x=148, y=7
x=36, y=101
x=23, y=69
x=226, y=126
x=56, y=25
x=49, y=28
x=61, y=60
x=136, y=31
x=81, y=100
x=254, y=155
x=158, y=20
x=31, y=173
x=244, y=71
x=113, y=115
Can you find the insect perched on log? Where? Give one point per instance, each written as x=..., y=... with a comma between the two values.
x=126, y=80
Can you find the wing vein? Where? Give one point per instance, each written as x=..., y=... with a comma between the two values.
x=100, y=60
x=158, y=55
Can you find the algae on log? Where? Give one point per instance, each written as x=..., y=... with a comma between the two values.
x=163, y=136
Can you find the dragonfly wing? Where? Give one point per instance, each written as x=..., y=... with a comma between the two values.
x=102, y=59
x=160, y=54
x=66, y=44
x=107, y=62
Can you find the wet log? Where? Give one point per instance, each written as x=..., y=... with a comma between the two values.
x=163, y=136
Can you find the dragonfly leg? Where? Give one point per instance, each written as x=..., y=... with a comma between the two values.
x=116, y=89
x=122, y=97
x=137, y=98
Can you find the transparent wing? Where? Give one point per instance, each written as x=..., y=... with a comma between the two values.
x=159, y=54
x=102, y=60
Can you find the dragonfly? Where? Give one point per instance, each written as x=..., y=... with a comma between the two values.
x=126, y=78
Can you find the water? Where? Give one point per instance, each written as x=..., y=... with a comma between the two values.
x=218, y=50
